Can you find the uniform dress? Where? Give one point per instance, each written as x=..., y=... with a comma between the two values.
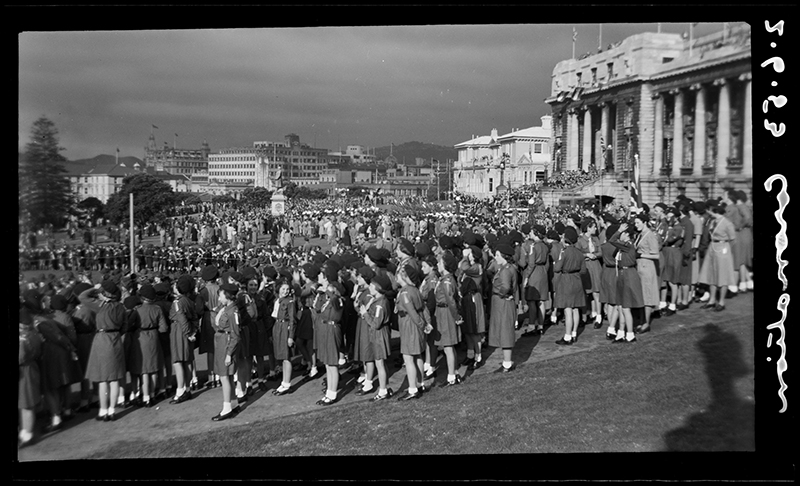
x=733, y=215
x=686, y=271
x=535, y=270
x=673, y=257
x=66, y=325
x=476, y=274
x=30, y=350
x=629, y=285
x=283, y=311
x=57, y=367
x=247, y=315
x=608, y=277
x=590, y=278
x=378, y=330
x=409, y=308
x=553, y=257
x=569, y=288
x=328, y=310
x=84, y=318
x=503, y=312
x=362, y=351
x=647, y=243
x=717, y=268
x=107, y=357
x=263, y=337
x=225, y=321
x=445, y=293
x=182, y=316
x=744, y=237
x=146, y=355
x=429, y=305
x=210, y=297
x=467, y=309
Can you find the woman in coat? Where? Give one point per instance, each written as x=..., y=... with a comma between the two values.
x=29, y=389
x=409, y=308
x=71, y=372
x=146, y=356
x=589, y=244
x=225, y=321
x=327, y=312
x=648, y=248
x=182, y=335
x=375, y=314
x=106, y=365
x=503, y=311
x=718, y=270
x=448, y=319
x=283, y=311
x=629, y=285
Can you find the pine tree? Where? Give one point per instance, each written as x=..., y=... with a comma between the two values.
x=45, y=195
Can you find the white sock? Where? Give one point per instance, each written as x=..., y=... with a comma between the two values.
x=330, y=394
x=672, y=306
x=146, y=398
x=111, y=410
x=452, y=378
x=620, y=334
x=121, y=399
x=368, y=385
x=56, y=419
x=594, y=314
x=427, y=367
x=506, y=364
x=553, y=318
x=25, y=436
x=567, y=337
x=383, y=392
x=342, y=361
x=574, y=334
x=413, y=390
x=750, y=284
x=314, y=371
x=285, y=385
x=742, y=286
x=361, y=379
x=103, y=412
x=179, y=392
x=477, y=357
x=610, y=330
x=705, y=297
x=226, y=408
x=629, y=336
x=662, y=305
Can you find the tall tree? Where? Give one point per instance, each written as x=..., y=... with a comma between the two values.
x=151, y=196
x=44, y=189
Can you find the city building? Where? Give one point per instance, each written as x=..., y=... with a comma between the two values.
x=681, y=105
x=176, y=160
x=518, y=158
x=360, y=155
x=103, y=180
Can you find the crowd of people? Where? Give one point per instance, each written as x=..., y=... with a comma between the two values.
x=267, y=310
x=570, y=179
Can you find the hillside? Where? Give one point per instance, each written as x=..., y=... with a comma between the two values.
x=411, y=150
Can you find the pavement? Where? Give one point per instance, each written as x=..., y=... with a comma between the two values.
x=83, y=436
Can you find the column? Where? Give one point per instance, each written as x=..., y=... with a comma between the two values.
x=747, y=141
x=723, y=127
x=677, y=134
x=658, y=143
x=699, y=128
x=587, y=139
x=604, y=116
x=572, y=152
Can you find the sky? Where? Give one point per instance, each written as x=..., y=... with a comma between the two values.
x=332, y=86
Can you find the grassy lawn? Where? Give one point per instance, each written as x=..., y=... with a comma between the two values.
x=689, y=390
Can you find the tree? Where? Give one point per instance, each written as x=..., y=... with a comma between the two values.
x=256, y=197
x=151, y=196
x=93, y=208
x=44, y=190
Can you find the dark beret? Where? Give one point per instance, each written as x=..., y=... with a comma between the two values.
x=391, y=267
x=571, y=235
x=608, y=218
x=646, y=208
x=382, y=281
x=559, y=227
x=209, y=273
x=249, y=273
x=553, y=234
x=376, y=255
x=406, y=247
x=450, y=262
x=612, y=228
x=413, y=274
x=338, y=286
x=270, y=272
x=319, y=258
x=311, y=271
x=232, y=289
x=80, y=288
x=147, y=292
x=285, y=273
x=109, y=287
x=699, y=207
x=540, y=230
x=430, y=260
x=422, y=250
x=237, y=276
x=131, y=301
x=661, y=205
x=161, y=288
x=58, y=302
x=526, y=228
x=505, y=249
x=446, y=242
x=331, y=273
x=185, y=284
x=367, y=273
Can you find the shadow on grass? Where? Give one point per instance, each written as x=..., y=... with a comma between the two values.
x=728, y=423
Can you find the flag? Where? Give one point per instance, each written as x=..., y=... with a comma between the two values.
x=636, y=197
x=117, y=149
x=574, y=34
x=155, y=127
x=176, y=134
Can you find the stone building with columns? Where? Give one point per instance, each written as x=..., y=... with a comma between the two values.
x=683, y=110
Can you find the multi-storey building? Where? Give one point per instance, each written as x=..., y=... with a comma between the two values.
x=518, y=158
x=681, y=106
x=103, y=180
x=176, y=160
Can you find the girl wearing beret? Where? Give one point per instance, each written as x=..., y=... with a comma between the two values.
x=208, y=294
x=409, y=309
x=534, y=263
x=629, y=285
x=106, y=365
x=225, y=321
x=649, y=250
x=327, y=312
x=29, y=397
x=589, y=244
x=555, y=247
x=430, y=271
x=375, y=314
x=283, y=312
x=73, y=369
x=362, y=350
x=608, y=282
x=182, y=335
x=569, y=290
x=304, y=335
x=472, y=310
x=147, y=357
x=503, y=310
x=447, y=316
x=673, y=258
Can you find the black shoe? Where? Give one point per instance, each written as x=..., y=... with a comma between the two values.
x=467, y=362
x=278, y=393
x=83, y=409
x=475, y=365
x=326, y=401
x=52, y=428
x=110, y=418
x=618, y=341
x=100, y=418
x=242, y=398
x=389, y=394
x=709, y=306
x=611, y=337
x=453, y=383
x=682, y=307
x=147, y=403
x=598, y=325
x=644, y=329
x=186, y=396
x=209, y=384
x=564, y=342
x=361, y=392
x=250, y=392
x=668, y=312
x=719, y=308
x=194, y=386
x=219, y=417
x=410, y=396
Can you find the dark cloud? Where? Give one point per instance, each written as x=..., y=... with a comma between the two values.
x=331, y=85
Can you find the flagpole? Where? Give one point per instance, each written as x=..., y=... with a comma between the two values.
x=659, y=27
x=691, y=37
x=600, y=40
x=574, y=36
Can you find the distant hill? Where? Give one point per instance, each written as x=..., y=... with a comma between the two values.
x=411, y=150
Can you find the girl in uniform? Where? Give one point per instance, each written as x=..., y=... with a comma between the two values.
x=147, y=357
x=570, y=295
x=554, y=239
x=362, y=350
x=327, y=311
x=629, y=285
x=208, y=294
x=647, y=246
x=283, y=311
x=448, y=319
x=503, y=309
x=225, y=321
x=589, y=244
x=29, y=388
x=409, y=308
x=608, y=282
x=717, y=270
x=182, y=335
x=472, y=310
x=430, y=271
x=376, y=315
x=673, y=258
x=535, y=282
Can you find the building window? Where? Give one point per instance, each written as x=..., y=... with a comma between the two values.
x=580, y=75
x=491, y=184
x=537, y=148
x=594, y=76
x=610, y=70
x=665, y=60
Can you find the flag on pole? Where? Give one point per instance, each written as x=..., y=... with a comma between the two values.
x=155, y=127
x=636, y=197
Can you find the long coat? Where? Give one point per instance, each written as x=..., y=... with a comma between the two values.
x=284, y=329
x=146, y=355
x=503, y=312
x=30, y=350
x=184, y=323
x=569, y=287
x=225, y=321
x=107, y=357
